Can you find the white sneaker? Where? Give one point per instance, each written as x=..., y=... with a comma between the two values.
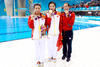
x=38, y=65
x=42, y=64
x=54, y=61
x=49, y=59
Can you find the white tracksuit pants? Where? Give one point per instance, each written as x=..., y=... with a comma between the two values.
x=40, y=49
x=52, y=48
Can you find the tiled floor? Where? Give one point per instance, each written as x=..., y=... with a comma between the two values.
x=86, y=47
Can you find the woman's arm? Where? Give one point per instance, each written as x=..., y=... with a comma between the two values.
x=30, y=22
x=47, y=23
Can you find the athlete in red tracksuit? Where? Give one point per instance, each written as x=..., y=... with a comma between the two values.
x=66, y=25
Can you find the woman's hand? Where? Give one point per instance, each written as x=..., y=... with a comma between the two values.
x=67, y=12
x=31, y=17
x=32, y=33
x=50, y=12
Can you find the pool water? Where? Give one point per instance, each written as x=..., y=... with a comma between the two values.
x=17, y=28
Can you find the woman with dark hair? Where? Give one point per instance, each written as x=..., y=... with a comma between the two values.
x=53, y=30
x=37, y=22
x=67, y=19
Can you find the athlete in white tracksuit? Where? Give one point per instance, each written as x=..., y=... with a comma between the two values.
x=37, y=23
x=53, y=33
x=53, y=30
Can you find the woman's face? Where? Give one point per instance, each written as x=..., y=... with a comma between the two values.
x=37, y=9
x=66, y=7
x=52, y=6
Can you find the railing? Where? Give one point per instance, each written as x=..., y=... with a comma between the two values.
x=97, y=8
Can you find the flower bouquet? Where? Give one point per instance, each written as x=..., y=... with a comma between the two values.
x=43, y=30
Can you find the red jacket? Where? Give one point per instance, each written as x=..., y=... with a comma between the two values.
x=47, y=23
x=48, y=20
x=31, y=22
x=66, y=23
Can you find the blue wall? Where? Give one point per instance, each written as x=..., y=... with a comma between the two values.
x=44, y=4
x=2, y=6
